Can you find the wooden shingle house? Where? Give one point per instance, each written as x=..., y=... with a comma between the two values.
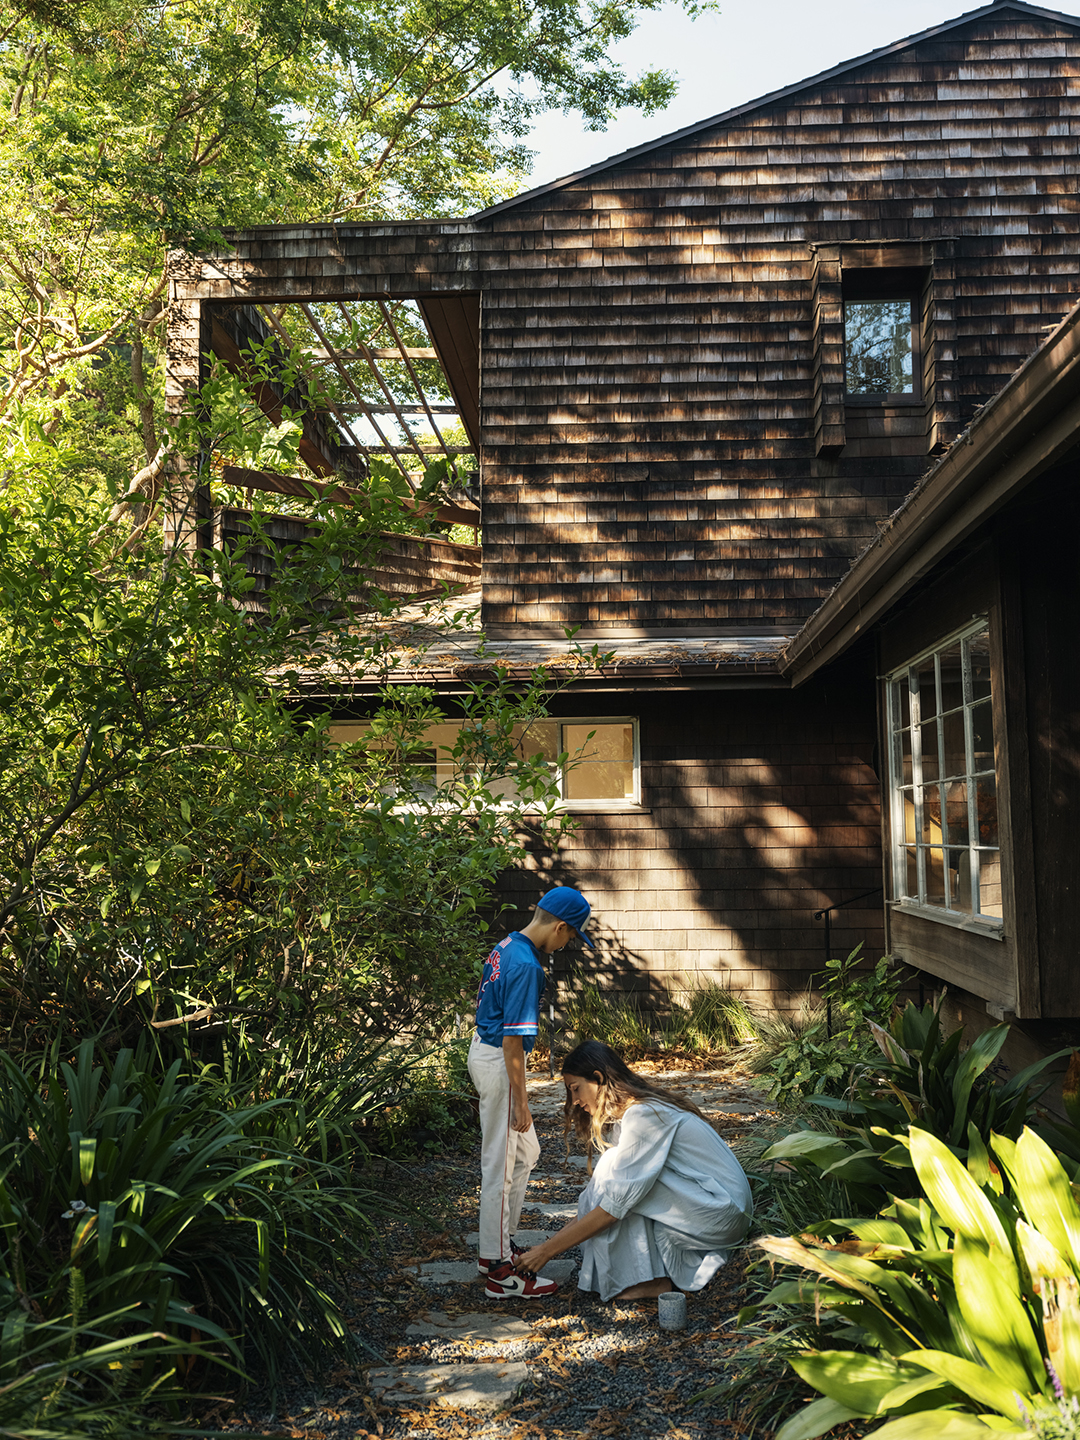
x=733, y=399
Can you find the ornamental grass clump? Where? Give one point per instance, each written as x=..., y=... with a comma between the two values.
x=960, y=1310
x=133, y=1199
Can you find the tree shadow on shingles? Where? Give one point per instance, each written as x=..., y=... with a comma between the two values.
x=611, y=966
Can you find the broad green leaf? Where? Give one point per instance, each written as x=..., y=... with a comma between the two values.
x=942, y=1425
x=1040, y=1257
x=978, y=1158
x=987, y=1290
x=980, y=1054
x=87, y=1154
x=953, y=1193
x=1046, y=1196
x=106, y=1217
x=790, y=1249
x=815, y=1419
x=970, y=1379
x=852, y=1379
x=823, y=1150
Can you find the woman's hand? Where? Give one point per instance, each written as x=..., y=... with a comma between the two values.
x=534, y=1260
x=584, y=1228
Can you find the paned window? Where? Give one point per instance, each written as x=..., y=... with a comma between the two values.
x=879, y=348
x=601, y=757
x=945, y=843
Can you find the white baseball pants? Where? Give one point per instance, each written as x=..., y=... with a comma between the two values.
x=507, y=1156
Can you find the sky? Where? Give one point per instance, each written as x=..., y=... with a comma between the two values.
x=725, y=59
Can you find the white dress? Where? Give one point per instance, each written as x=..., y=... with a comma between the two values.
x=679, y=1196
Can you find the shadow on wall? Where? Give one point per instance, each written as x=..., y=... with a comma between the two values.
x=760, y=808
x=611, y=966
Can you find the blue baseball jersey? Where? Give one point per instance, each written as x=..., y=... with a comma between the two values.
x=511, y=988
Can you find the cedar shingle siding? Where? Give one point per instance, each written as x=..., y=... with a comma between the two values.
x=647, y=356
x=760, y=803
x=665, y=441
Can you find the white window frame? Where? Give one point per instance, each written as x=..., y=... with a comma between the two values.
x=992, y=925
x=580, y=806
x=592, y=806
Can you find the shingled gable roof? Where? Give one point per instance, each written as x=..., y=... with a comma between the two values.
x=726, y=117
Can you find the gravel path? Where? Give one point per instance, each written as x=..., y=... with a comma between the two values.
x=577, y=1367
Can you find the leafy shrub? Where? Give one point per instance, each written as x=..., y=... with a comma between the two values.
x=435, y=1105
x=207, y=850
x=815, y=1052
x=796, y=1056
x=63, y=1380
x=121, y=1187
x=961, y=1311
x=921, y=1078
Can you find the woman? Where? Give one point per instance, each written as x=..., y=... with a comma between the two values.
x=667, y=1200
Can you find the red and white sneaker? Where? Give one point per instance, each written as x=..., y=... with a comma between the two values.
x=504, y=1282
x=485, y=1266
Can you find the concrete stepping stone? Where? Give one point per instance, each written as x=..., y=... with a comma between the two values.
x=464, y=1272
x=466, y=1387
x=446, y=1272
x=525, y=1238
x=553, y=1212
x=494, y=1327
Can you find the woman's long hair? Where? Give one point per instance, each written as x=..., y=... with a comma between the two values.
x=619, y=1087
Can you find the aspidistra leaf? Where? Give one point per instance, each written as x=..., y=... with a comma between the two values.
x=987, y=1290
x=970, y=1379
x=816, y=1419
x=953, y=1193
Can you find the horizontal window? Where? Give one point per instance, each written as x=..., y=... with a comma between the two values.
x=593, y=761
x=946, y=851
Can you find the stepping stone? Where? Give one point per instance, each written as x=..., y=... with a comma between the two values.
x=525, y=1238
x=553, y=1212
x=560, y=1269
x=494, y=1327
x=464, y=1272
x=466, y=1387
x=447, y=1272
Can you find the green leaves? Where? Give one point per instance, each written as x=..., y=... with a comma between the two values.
x=122, y=1178
x=985, y=1286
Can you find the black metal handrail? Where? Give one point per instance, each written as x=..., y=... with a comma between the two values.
x=824, y=915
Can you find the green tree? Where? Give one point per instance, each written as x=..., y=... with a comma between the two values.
x=140, y=125
x=177, y=834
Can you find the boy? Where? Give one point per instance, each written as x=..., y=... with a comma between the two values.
x=507, y=1021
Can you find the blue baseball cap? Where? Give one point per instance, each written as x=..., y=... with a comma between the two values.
x=569, y=905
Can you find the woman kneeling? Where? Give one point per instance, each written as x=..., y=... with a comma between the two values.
x=667, y=1201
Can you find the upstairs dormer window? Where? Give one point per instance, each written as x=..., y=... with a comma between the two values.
x=882, y=350
x=878, y=348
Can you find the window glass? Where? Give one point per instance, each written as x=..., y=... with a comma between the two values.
x=600, y=761
x=878, y=348
x=946, y=841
